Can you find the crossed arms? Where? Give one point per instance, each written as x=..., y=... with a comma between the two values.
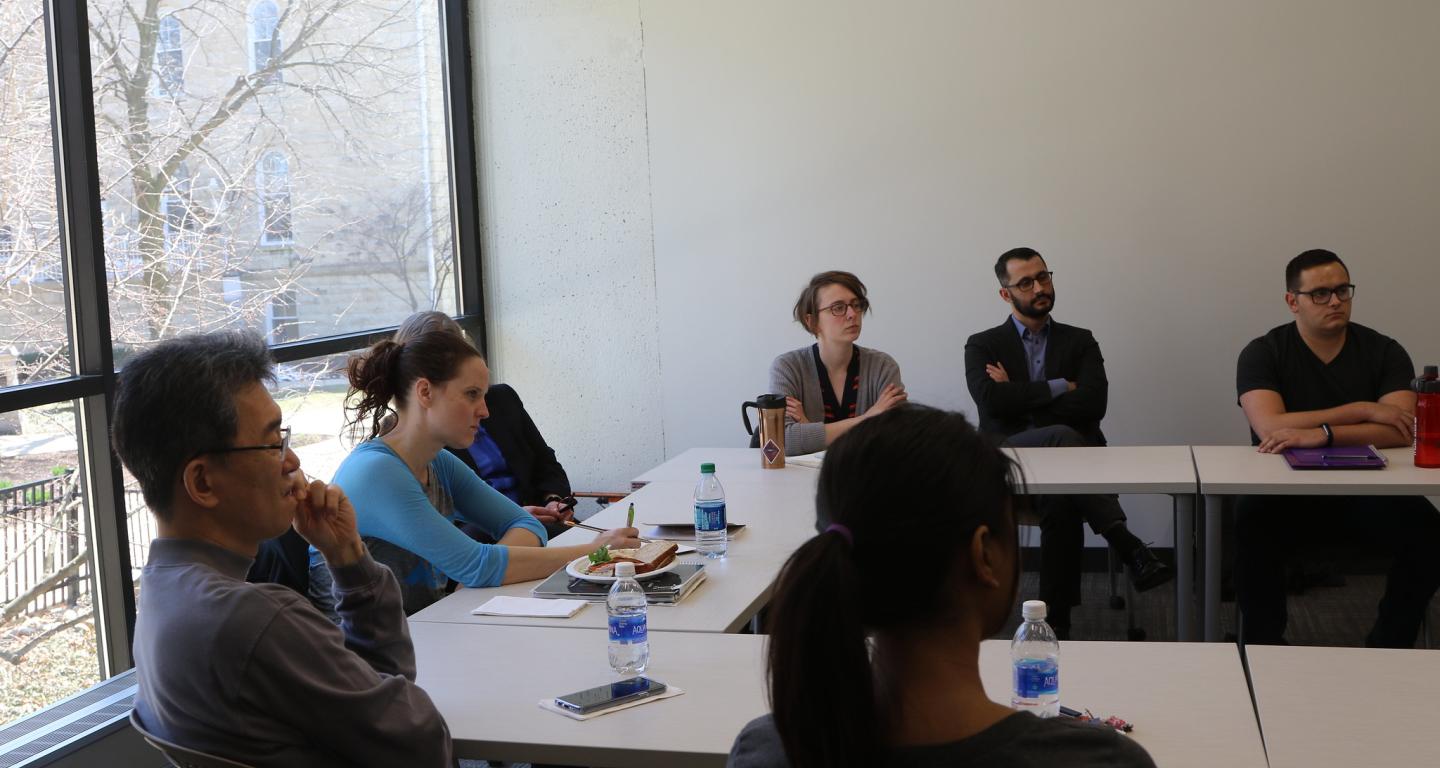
x=1384, y=424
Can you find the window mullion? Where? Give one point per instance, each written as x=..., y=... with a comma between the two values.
x=464, y=170
x=78, y=193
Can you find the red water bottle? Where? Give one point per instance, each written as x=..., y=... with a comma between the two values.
x=1427, y=418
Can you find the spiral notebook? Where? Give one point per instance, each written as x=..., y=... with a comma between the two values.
x=1348, y=457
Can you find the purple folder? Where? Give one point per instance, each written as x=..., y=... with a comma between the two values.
x=1349, y=457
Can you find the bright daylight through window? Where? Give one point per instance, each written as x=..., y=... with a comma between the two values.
x=271, y=165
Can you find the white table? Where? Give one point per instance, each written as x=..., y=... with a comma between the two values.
x=777, y=520
x=1157, y=469
x=1321, y=707
x=1232, y=470
x=1188, y=701
x=732, y=466
x=493, y=713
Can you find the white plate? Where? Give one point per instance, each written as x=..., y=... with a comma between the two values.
x=577, y=568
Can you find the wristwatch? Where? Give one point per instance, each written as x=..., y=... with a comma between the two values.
x=1329, y=435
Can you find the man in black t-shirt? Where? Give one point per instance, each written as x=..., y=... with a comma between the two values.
x=1319, y=381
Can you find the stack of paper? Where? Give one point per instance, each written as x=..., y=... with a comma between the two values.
x=504, y=605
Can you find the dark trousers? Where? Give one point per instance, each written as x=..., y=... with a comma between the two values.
x=1062, y=535
x=1268, y=528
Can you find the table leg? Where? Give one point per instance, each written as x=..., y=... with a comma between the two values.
x=1213, y=507
x=1184, y=567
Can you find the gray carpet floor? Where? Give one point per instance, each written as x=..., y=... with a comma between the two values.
x=1330, y=616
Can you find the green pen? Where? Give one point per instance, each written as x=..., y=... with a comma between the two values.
x=630, y=516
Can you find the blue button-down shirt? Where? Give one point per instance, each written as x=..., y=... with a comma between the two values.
x=1035, y=344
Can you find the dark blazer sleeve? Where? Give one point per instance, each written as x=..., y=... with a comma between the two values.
x=524, y=448
x=994, y=399
x=1086, y=367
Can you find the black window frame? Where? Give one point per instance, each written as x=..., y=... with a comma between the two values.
x=92, y=387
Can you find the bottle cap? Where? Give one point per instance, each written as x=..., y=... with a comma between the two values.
x=1432, y=371
x=707, y=468
x=627, y=571
x=1032, y=610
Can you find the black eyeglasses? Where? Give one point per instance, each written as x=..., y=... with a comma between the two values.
x=1344, y=292
x=838, y=308
x=1027, y=284
x=282, y=447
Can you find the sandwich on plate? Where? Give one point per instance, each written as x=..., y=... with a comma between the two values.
x=650, y=556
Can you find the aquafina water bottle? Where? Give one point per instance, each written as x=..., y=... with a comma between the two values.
x=629, y=635
x=709, y=514
x=1036, y=655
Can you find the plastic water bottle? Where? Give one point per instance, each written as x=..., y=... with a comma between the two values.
x=629, y=635
x=709, y=514
x=1036, y=655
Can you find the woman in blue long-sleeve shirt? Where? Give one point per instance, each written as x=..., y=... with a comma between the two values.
x=407, y=491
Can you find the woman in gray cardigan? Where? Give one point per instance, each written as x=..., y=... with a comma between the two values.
x=833, y=384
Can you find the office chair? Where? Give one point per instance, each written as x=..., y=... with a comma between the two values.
x=181, y=757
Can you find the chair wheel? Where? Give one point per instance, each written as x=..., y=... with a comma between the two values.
x=1117, y=602
x=1135, y=634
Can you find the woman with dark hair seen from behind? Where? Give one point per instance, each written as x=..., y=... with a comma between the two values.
x=508, y=452
x=833, y=384
x=411, y=400
x=916, y=699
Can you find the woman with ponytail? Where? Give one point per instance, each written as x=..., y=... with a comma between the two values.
x=865, y=671
x=409, y=401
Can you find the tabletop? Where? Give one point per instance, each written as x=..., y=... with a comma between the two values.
x=778, y=519
x=732, y=465
x=1188, y=701
x=1159, y=469
x=1345, y=707
x=1240, y=469
x=493, y=708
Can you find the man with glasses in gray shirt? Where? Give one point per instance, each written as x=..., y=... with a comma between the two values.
x=253, y=672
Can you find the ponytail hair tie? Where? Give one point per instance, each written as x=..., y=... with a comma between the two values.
x=843, y=531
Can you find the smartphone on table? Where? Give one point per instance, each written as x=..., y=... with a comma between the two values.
x=603, y=697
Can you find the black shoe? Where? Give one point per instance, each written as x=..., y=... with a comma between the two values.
x=1146, y=570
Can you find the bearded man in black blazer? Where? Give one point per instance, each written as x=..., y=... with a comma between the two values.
x=1039, y=383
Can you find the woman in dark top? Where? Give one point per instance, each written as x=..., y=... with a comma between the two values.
x=508, y=453
x=866, y=671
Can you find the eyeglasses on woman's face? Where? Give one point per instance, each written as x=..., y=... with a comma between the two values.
x=839, y=308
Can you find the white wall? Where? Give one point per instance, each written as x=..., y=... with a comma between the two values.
x=568, y=259
x=1168, y=158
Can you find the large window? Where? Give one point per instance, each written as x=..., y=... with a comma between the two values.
x=171, y=191
x=47, y=646
x=331, y=184
x=33, y=341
